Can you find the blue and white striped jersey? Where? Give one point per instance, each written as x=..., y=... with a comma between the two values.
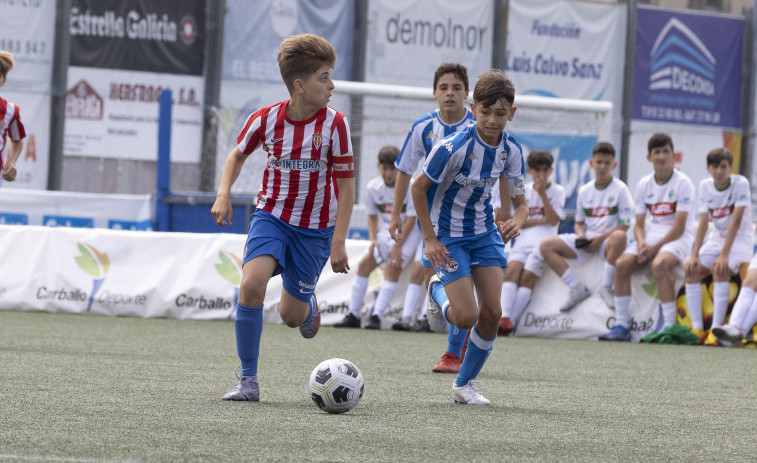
x=465, y=169
x=424, y=134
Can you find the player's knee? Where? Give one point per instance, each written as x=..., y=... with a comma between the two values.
x=527, y=279
x=251, y=291
x=660, y=268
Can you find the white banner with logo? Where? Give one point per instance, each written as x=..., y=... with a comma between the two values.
x=27, y=29
x=114, y=114
x=408, y=40
x=79, y=210
x=197, y=276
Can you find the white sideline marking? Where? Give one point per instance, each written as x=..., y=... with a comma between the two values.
x=43, y=458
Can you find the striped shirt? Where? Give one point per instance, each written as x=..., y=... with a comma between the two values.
x=10, y=126
x=304, y=159
x=424, y=134
x=465, y=169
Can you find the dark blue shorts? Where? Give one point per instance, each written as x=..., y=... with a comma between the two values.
x=301, y=252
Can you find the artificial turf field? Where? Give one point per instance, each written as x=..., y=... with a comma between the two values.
x=92, y=388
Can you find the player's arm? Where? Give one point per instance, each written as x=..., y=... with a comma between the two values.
x=9, y=166
x=550, y=215
x=395, y=255
x=372, y=228
x=221, y=210
x=401, y=186
x=436, y=252
x=579, y=228
x=638, y=234
x=733, y=230
x=339, y=262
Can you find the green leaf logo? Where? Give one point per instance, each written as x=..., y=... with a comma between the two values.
x=92, y=261
x=651, y=286
x=230, y=267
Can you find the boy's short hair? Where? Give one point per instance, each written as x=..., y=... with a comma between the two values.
x=603, y=147
x=388, y=154
x=460, y=71
x=492, y=86
x=659, y=140
x=540, y=158
x=302, y=55
x=6, y=63
x=718, y=155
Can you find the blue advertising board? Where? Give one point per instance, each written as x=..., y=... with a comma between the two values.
x=688, y=67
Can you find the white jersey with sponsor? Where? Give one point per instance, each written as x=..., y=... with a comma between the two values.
x=604, y=209
x=661, y=201
x=556, y=197
x=378, y=200
x=719, y=206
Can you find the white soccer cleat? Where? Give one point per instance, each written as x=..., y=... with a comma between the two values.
x=577, y=294
x=607, y=295
x=728, y=335
x=434, y=313
x=469, y=394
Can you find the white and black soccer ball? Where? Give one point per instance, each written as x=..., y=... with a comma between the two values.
x=336, y=385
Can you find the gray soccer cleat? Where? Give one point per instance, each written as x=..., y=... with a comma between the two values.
x=728, y=335
x=434, y=313
x=247, y=390
x=577, y=294
x=469, y=394
x=310, y=326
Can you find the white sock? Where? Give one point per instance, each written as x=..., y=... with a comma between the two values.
x=668, y=313
x=750, y=319
x=741, y=306
x=694, y=302
x=507, y=298
x=608, y=276
x=411, y=300
x=424, y=306
x=622, y=305
x=384, y=298
x=719, y=302
x=521, y=301
x=359, y=287
x=570, y=278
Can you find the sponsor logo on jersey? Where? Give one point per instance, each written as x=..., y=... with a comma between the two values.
x=660, y=209
x=720, y=212
x=307, y=165
x=600, y=211
x=535, y=210
x=475, y=182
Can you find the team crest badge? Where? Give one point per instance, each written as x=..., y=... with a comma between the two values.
x=317, y=139
x=503, y=156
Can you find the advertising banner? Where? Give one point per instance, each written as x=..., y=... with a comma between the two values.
x=688, y=67
x=114, y=114
x=123, y=53
x=27, y=29
x=70, y=209
x=408, y=40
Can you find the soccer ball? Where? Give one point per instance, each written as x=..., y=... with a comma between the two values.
x=336, y=385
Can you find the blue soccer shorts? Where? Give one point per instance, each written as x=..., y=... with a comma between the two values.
x=301, y=252
x=485, y=250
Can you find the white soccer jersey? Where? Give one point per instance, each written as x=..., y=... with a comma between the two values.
x=556, y=197
x=465, y=169
x=378, y=200
x=719, y=205
x=662, y=201
x=602, y=210
x=424, y=134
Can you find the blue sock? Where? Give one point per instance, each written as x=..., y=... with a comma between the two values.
x=455, y=340
x=440, y=297
x=249, y=327
x=475, y=357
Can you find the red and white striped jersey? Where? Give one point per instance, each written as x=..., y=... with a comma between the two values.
x=10, y=125
x=304, y=159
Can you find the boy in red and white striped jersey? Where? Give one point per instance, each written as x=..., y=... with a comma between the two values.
x=298, y=223
x=12, y=131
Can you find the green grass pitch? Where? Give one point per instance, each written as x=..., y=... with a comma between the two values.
x=91, y=388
